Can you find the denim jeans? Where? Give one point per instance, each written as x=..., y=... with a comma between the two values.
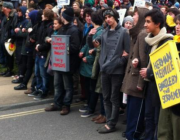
x=111, y=84
x=63, y=89
x=151, y=117
x=41, y=74
x=135, y=117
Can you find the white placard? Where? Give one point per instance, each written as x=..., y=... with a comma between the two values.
x=122, y=13
x=63, y=2
x=139, y=3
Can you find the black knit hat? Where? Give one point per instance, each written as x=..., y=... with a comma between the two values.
x=68, y=14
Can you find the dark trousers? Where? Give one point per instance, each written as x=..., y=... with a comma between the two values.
x=18, y=57
x=27, y=68
x=83, y=92
x=23, y=63
x=151, y=116
x=135, y=117
x=102, y=111
x=93, y=96
x=63, y=89
x=111, y=84
x=9, y=61
x=2, y=54
x=33, y=83
x=90, y=85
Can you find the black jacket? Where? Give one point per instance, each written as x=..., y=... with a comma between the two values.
x=7, y=27
x=150, y=75
x=46, y=29
x=70, y=29
x=30, y=46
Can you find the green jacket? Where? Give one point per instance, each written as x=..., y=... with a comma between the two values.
x=86, y=68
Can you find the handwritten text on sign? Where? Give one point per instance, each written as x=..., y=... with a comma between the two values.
x=165, y=62
x=59, y=54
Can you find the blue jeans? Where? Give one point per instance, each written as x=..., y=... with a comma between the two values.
x=41, y=74
x=135, y=117
x=63, y=89
x=151, y=117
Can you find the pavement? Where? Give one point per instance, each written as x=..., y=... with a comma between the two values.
x=33, y=123
x=11, y=99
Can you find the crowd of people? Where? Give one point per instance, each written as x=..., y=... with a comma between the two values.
x=109, y=60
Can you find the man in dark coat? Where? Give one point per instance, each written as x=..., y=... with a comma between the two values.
x=8, y=24
x=115, y=43
x=154, y=24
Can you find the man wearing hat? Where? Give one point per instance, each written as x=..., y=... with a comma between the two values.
x=63, y=81
x=115, y=43
x=7, y=25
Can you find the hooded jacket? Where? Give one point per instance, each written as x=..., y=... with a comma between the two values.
x=132, y=77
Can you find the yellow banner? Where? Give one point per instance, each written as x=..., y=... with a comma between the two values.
x=166, y=68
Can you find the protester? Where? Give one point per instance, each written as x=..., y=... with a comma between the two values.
x=36, y=19
x=42, y=49
x=170, y=25
x=87, y=64
x=114, y=48
x=133, y=83
x=154, y=25
x=87, y=27
x=20, y=39
x=63, y=81
x=24, y=3
x=128, y=22
x=6, y=30
x=76, y=6
x=101, y=118
x=117, y=4
x=169, y=119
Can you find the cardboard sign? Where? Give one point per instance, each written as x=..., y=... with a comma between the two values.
x=166, y=68
x=60, y=3
x=122, y=13
x=60, y=53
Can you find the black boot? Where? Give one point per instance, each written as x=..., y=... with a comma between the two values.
x=20, y=87
x=17, y=81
